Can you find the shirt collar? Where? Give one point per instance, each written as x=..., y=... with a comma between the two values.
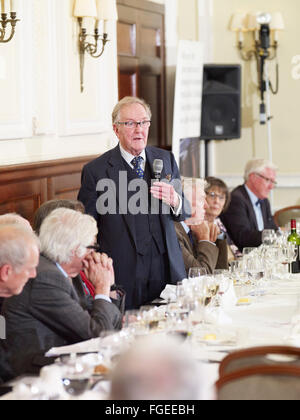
x=185, y=227
x=254, y=199
x=62, y=270
x=128, y=156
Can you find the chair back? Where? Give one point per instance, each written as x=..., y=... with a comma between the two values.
x=283, y=216
x=256, y=356
x=270, y=383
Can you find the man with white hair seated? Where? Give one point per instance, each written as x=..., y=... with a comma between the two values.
x=48, y=312
x=249, y=212
x=19, y=257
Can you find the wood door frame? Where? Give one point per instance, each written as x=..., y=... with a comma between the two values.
x=148, y=6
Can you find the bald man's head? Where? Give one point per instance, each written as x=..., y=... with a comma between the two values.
x=19, y=257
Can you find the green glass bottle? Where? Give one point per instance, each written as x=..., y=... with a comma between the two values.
x=295, y=238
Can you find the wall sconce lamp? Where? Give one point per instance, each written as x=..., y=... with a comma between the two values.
x=100, y=11
x=8, y=7
x=264, y=29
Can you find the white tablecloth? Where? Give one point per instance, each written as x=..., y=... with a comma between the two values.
x=265, y=321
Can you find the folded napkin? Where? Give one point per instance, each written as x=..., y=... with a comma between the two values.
x=88, y=346
x=217, y=316
x=169, y=293
x=229, y=299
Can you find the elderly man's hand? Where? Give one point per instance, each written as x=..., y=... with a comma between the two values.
x=205, y=231
x=99, y=270
x=166, y=193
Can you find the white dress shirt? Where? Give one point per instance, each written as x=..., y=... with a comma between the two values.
x=257, y=209
x=128, y=157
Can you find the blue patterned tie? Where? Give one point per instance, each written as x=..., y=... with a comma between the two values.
x=136, y=163
x=190, y=235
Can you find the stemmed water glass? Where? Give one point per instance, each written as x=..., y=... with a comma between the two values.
x=268, y=237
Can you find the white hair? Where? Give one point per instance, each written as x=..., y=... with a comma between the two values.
x=14, y=219
x=15, y=242
x=129, y=100
x=157, y=367
x=66, y=232
x=258, y=166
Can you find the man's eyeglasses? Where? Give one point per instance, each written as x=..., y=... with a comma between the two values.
x=214, y=195
x=135, y=124
x=271, y=181
x=95, y=247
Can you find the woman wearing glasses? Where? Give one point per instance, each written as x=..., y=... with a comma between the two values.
x=218, y=199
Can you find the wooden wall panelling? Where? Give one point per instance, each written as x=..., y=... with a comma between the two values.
x=23, y=188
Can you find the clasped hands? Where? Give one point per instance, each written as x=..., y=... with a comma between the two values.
x=205, y=231
x=99, y=270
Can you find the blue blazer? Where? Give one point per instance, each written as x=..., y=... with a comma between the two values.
x=117, y=235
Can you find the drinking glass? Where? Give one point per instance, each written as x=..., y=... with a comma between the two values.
x=248, y=250
x=76, y=376
x=197, y=272
x=268, y=237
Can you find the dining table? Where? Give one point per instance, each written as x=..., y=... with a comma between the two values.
x=264, y=316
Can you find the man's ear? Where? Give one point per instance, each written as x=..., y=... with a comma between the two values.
x=5, y=272
x=116, y=129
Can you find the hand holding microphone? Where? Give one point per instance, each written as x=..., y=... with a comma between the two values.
x=161, y=190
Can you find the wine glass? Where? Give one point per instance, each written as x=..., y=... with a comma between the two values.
x=248, y=250
x=255, y=269
x=268, y=237
x=76, y=376
x=197, y=272
x=222, y=282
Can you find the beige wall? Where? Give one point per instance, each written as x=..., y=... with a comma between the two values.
x=44, y=116
x=231, y=156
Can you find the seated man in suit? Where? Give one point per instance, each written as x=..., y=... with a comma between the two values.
x=48, y=312
x=197, y=237
x=13, y=219
x=19, y=257
x=249, y=212
x=84, y=288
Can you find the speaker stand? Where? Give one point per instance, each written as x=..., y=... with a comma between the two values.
x=207, y=162
x=269, y=126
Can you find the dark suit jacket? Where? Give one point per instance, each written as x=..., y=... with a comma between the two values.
x=117, y=235
x=202, y=254
x=87, y=301
x=240, y=220
x=48, y=314
x=5, y=370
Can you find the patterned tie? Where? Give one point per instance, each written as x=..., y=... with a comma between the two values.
x=136, y=163
x=190, y=235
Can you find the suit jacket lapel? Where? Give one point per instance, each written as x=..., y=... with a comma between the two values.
x=251, y=209
x=115, y=166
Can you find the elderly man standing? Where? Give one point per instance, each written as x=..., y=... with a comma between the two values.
x=249, y=212
x=48, y=312
x=19, y=257
x=136, y=228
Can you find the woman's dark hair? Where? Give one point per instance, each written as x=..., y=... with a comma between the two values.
x=45, y=209
x=218, y=183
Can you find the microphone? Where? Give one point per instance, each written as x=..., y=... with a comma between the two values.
x=158, y=165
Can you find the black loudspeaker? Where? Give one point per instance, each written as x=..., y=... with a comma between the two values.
x=221, y=102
